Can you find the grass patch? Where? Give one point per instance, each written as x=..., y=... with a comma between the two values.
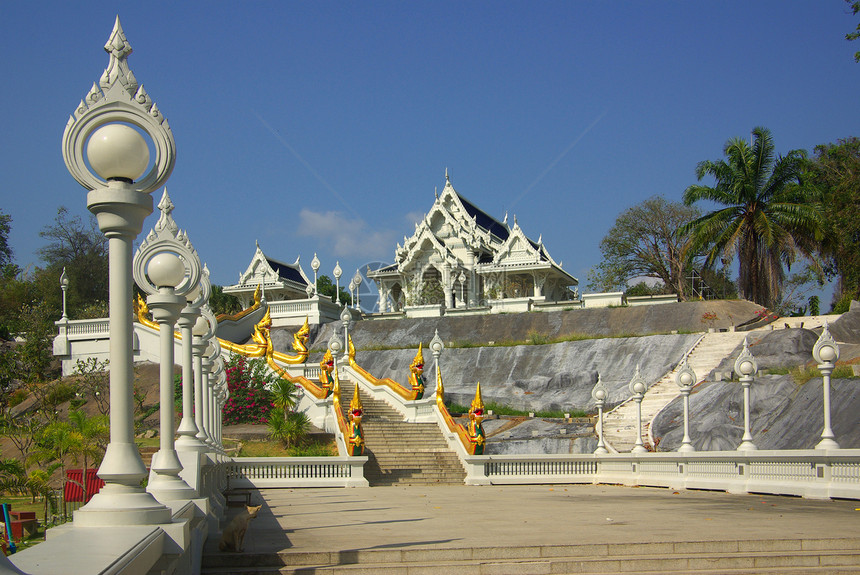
x=264, y=448
x=803, y=373
x=499, y=409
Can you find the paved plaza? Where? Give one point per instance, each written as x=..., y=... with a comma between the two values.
x=379, y=518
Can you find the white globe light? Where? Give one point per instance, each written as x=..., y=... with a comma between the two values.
x=685, y=379
x=193, y=294
x=599, y=394
x=827, y=353
x=165, y=270
x=118, y=151
x=201, y=326
x=638, y=387
x=746, y=367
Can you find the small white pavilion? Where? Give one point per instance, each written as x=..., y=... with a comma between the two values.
x=280, y=281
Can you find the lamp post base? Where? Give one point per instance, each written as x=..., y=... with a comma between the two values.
x=827, y=443
x=747, y=445
x=638, y=449
x=118, y=504
x=686, y=448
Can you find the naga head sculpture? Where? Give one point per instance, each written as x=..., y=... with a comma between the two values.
x=417, y=365
x=476, y=410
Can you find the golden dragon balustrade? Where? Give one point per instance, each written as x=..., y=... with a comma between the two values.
x=416, y=375
x=471, y=436
x=258, y=298
x=353, y=435
x=261, y=346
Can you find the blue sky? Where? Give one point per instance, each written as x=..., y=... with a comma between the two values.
x=325, y=126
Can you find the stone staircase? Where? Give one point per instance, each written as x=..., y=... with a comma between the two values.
x=619, y=425
x=402, y=453
x=781, y=556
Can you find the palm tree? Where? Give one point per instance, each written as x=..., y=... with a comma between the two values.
x=284, y=395
x=770, y=215
x=91, y=434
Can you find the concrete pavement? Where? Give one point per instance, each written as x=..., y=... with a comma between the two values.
x=449, y=517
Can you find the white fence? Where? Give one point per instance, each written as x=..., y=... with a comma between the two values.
x=267, y=472
x=817, y=474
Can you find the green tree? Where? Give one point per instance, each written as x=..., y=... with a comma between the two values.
x=769, y=217
x=855, y=8
x=82, y=249
x=221, y=302
x=284, y=395
x=288, y=428
x=5, y=248
x=90, y=436
x=326, y=287
x=647, y=241
x=835, y=170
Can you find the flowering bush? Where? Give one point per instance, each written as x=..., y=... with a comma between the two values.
x=249, y=401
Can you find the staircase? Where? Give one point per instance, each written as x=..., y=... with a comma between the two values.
x=402, y=453
x=705, y=557
x=619, y=425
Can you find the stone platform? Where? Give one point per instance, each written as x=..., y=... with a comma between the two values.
x=538, y=529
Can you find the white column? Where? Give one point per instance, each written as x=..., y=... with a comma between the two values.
x=164, y=481
x=120, y=211
x=187, y=427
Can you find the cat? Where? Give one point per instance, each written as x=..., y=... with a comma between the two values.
x=234, y=534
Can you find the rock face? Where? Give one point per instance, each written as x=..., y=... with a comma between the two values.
x=539, y=377
x=481, y=329
x=783, y=415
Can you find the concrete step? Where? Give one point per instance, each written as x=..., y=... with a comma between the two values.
x=740, y=556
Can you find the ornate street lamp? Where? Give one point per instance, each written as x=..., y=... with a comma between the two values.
x=357, y=282
x=351, y=293
x=188, y=318
x=203, y=331
x=335, y=345
x=337, y=273
x=436, y=347
x=637, y=387
x=64, y=285
x=686, y=379
x=315, y=265
x=598, y=394
x=345, y=318
x=826, y=352
x=746, y=368
x=109, y=157
x=166, y=267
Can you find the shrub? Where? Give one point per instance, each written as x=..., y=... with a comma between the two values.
x=249, y=401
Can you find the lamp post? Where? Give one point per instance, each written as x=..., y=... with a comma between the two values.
x=110, y=158
x=637, y=387
x=357, y=281
x=436, y=347
x=188, y=318
x=826, y=352
x=315, y=265
x=345, y=318
x=598, y=393
x=351, y=293
x=203, y=331
x=337, y=273
x=335, y=346
x=746, y=368
x=167, y=268
x=64, y=285
x=686, y=379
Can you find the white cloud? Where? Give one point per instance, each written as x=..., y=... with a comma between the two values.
x=414, y=217
x=347, y=237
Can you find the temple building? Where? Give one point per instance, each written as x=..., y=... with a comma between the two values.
x=280, y=281
x=460, y=258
